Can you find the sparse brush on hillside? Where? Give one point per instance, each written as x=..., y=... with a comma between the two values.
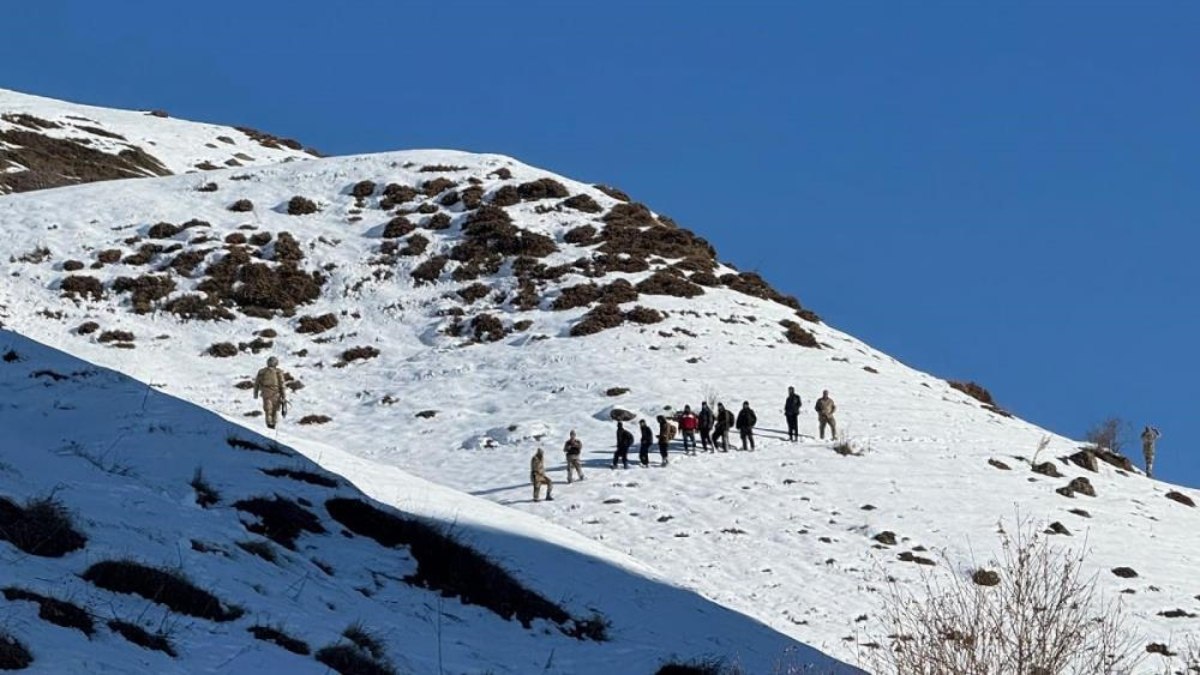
x=1043, y=615
x=1108, y=433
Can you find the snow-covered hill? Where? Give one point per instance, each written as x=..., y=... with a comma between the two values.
x=444, y=314
x=46, y=143
x=160, y=493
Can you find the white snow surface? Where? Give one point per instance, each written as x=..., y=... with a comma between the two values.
x=179, y=145
x=782, y=534
x=121, y=454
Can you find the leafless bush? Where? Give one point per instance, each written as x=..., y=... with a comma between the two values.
x=1108, y=433
x=1044, y=617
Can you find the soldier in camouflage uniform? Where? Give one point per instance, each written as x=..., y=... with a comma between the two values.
x=1149, y=438
x=269, y=384
x=537, y=476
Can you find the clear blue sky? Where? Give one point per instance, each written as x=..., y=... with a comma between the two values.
x=1004, y=192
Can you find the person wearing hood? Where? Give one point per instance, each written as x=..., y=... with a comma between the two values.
x=269, y=384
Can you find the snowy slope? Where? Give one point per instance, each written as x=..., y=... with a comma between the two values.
x=121, y=455
x=46, y=143
x=784, y=534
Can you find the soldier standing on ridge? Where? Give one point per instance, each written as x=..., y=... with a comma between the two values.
x=746, y=420
x=269, y=384
x=573, y=449
x=825, y=410
x=791, y=410
x=706, y=424
x=624, y=441
x=647, y=441
x=537, y=476
x=1149, y=438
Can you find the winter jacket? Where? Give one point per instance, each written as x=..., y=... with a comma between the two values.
x=537, y=466
x=792, y=406
x=647, y=436
x=826, y=407
x=705, y=418
x=746, y=419
x=624, y=439
x=269, y=383
x=688, y=422
x=573, y=447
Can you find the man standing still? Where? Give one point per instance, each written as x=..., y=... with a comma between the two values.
x=573, y=448
x=825, y=410
x=791, y=410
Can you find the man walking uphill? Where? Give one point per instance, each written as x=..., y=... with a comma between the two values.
x=269, y=384
x=1149, y=438
x=746, y=420
x=537, y=476
x=825, y=410
x=624, y=442
x=573, y=448
x=791, y=410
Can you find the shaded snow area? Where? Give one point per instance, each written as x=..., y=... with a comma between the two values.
x=130, y=465
x=444, y=314
x=66, y=143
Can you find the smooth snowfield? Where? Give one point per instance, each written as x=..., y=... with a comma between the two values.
x=121, y=455
x=784, y=534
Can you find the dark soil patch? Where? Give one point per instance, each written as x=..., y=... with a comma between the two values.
x=309, y=420
x=161, y=586
x=350, y=660
x=280, y=520
x=666, y=283
x=278, y=637
x=447, y=565
x=644, y=315
x=52, y=610
x=301, y=206
x=316, y=324
x=142, y=638
x=542, y=188
x=601, y=317
x=302, y=476
x=798, y=335
x=14, y=655
x=146, y=290
x=43, y=527
x=82, y=286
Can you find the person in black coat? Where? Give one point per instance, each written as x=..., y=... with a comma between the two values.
x=647, y=441
x=791, y=410
x=721, y=428
x=746, y=420
x=624, y=441
x=706, y=426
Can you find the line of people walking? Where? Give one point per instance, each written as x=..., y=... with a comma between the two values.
x=712, y=427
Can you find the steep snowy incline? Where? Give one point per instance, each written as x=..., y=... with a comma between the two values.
x=149, y=481
x=447, y=313
x=47, y=143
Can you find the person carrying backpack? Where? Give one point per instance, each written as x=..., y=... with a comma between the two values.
x=624, y=442
x=705, y=419
x=746, y=420
x=647, y=441
x=791, y=410
x=688, y=423
x=721, y=429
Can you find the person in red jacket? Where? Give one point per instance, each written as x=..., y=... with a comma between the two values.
x=688, y=423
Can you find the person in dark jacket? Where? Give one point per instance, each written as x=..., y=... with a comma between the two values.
x=573, y=449
x=664, y=438
x=647, y=441
x=706, y=424
x=791, y=410
x=721, y=429
x=624, y=442
x=746, y=420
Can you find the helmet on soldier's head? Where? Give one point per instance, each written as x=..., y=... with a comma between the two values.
x=272, y=362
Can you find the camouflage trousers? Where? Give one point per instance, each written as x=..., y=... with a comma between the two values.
x=574, y=465
x=1148, y=455
x=271, y=405
x=538, y=480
